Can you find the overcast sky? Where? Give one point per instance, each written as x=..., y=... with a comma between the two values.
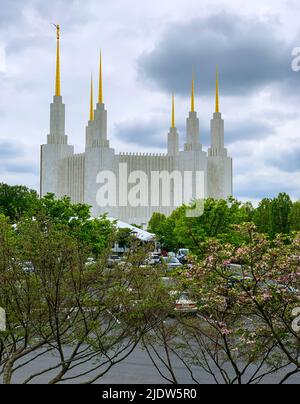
x=149, y=50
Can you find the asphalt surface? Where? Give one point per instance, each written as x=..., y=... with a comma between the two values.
x=136, y=369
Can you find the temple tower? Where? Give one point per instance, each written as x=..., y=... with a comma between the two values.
x=99, y=156
x=57, y=146
x=219, y=164
x=193, y=159
x=173, y=137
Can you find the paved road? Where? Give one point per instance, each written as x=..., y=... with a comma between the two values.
x=136, y=369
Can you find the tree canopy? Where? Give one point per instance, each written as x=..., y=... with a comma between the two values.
x=272, y=216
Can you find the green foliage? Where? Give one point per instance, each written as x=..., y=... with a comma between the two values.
x=59, y=303
x=62, y=210
x=124, y=238
x=294, y=219
x=217, y=221
x=273, y=215
x=156, y=222
x=95, y=233
x=163, y=227
x=243, y=332
x=17, y=201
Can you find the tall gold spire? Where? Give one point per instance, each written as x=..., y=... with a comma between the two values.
x=173, y=112
x=217, y=90
x=92, y=101
x=57, y=79
x=193, y=94
x=100, y=96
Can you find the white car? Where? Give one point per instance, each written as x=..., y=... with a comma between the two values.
x=184, y=304
x=90, y=261
x=182, y=255
x=172, y=262
x=183, y=252
x=154, y=259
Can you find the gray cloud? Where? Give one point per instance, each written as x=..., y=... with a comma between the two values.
x=264, y=189
x=247, y=130
x=287, y=161
x=13, y=159
x=10, y=11
x=154, y=133
x=8, y=150
x=13, y=11
x=249, y=53
x=149, y=133
x=24, y=168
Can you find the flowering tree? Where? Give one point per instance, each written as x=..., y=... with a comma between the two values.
x=243, y=332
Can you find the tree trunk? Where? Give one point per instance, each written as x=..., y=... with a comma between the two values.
x=8, y=367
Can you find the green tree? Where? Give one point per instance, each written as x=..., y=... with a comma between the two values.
x=97, y=233
x=217, y=221
x=156, y=223
x=272, y=216
x=62, y=210
x=124, y=237
x=263, y=216
x=281, y=209
x=58, y=306
x=294, y=218
x=16, y=201
x=163, y=227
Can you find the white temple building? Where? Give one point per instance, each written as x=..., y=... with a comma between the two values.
x=132, y=186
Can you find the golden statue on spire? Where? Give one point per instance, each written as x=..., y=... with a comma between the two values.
x=57, y=30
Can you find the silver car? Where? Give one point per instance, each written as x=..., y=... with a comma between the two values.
x=172, y=262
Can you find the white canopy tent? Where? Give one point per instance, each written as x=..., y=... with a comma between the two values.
x=139, y=233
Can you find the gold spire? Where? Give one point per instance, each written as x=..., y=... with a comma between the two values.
x=92, y=101
x=217, y=90
x=57, y=79
x=100, y=96
x=193, y=94
x=173, y=112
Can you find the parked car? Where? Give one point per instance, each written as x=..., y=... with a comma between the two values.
x=182, y=254
x=171, y=262
x=184, y=304
x=154, y=258
x=90, y=261
x=182, y=301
